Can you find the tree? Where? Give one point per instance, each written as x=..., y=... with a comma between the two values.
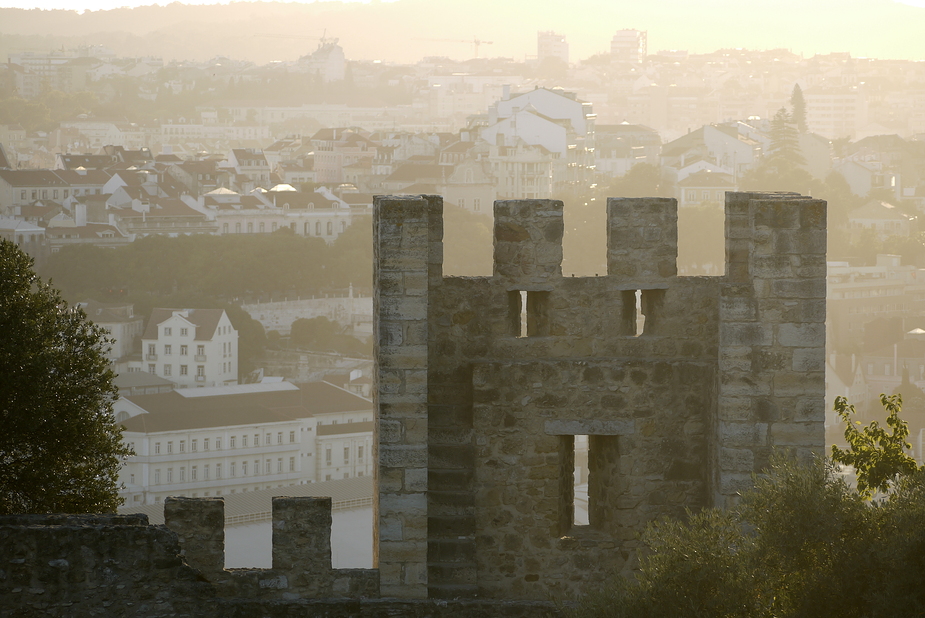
x=800, y=543
x=798, y=105
x=60, y=449
x=784, y=150
x=879, y=458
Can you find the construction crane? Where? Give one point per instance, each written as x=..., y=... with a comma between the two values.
x=475, y=42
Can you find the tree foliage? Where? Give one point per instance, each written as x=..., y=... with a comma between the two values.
x=798, y=107
x=60, y=450
x=879, y=457
x=784, y=150
x=800, y=543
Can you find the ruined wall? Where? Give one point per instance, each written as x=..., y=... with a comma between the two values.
x=682, y=399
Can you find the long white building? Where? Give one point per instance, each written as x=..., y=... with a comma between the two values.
x=235, y=439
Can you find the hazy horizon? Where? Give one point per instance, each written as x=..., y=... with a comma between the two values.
x=395, y=30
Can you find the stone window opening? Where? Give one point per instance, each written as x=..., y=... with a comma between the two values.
x=640, y=311
x=587, y=482
x=528, y=312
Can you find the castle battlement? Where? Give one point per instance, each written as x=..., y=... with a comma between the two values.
x=682, y=385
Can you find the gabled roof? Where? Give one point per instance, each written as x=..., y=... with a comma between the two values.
x=105, y=313
x=706, y=178
x=205, y=320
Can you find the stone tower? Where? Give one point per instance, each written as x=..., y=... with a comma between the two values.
x=681, y=386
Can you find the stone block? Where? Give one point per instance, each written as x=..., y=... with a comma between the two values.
x=801, y=335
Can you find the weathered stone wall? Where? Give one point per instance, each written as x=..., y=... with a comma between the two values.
x=76, y=566
x=655, y=368
x=94, y=565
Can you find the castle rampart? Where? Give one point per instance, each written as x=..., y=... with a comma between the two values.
x=681, y=387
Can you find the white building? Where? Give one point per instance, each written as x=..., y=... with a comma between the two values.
x=190, y=347
x=235, y=439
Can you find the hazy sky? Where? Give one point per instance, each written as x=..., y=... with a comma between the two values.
x=96, y=5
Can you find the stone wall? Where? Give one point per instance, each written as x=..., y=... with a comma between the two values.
x=95, y=565
x=682, y=384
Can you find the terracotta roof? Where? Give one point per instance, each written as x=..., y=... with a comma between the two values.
x=32, y=178
x=90, y=177
x=178, y=411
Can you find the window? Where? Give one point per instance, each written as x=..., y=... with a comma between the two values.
x=262, y=227
x=232, y=468
x=279, y=437
x=152, y=368
x=360, y=454
x=317, y=228
x=590, y=463
x=346, y=454
x=194, y=445
x=250, y=227
x=182, y=446
x=257, y=467
x=256, y=439
x=184, y=370
x=244, y=468
x=167, y=370
x=462, y=203
x=184, y=350
x=168, y=349
x=231, y=441
x=477, y=204
x=205, y=472
x=292, y=433
x=193, y=472
x=237, y=228
x=244, y=441
x=346, y=475
x=157, y=448
x=131, y=479
x=330, y=228
x=268, y=441
x=170, y=475
x=292, y=464
x=200, y=371
x=528, y=312
x=183, y=333
x=205, y=444
x=218, y=444
x=200, y=350
x=152, y=349
x=169, y=447
x=327, y=456
x=157, y=476
x=279, y=465
x=167, y=331
x=182, y=474
x=273, y=226
x=327, y=477
x=218, y=470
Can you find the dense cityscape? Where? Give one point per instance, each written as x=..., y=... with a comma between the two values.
x=215, y=218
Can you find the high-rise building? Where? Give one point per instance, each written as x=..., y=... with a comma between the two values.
x=629, y=46
x=549, y=44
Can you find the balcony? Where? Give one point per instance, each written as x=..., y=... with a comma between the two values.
x=200, y=358
x=151, y=356
x=200, y=378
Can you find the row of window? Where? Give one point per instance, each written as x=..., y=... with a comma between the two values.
x=184, y=369
x=307, y=229
x=232, y=442
x=233, y=468
x=168, y=348
x=327, y=455
x=54, y=193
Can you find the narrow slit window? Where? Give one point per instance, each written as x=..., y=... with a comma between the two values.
x=588, y=482
x=528, y=313
x=580, y=482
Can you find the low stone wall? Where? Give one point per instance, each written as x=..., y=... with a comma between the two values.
x=72, y=566
x=95, y=565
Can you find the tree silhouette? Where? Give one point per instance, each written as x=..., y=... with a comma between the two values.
x=798, y=105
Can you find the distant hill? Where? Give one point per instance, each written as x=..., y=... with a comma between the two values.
x=405, y=30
